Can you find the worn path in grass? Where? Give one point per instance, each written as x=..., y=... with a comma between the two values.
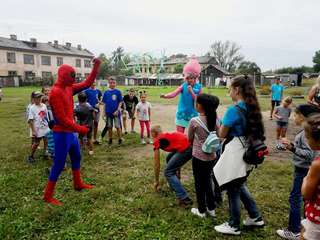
x=164, y=115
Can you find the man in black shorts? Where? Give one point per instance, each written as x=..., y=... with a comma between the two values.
x=130, y=103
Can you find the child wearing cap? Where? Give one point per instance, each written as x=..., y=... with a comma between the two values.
x=38, y=122
x=302, y=158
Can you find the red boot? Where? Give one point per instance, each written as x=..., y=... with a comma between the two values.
x=78, y=183
x=48, y=194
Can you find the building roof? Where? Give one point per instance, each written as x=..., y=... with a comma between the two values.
x=47, y=48
x=224, y=71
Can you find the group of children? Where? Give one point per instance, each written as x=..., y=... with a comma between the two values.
x=235, y=128
x=116, y=111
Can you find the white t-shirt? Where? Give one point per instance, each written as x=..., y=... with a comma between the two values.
x=143, y=111
x=39, y=115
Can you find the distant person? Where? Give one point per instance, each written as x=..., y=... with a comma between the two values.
x=1, y=93
x=276, y=95
x=144, y=116
x=311, y=183
x=314, y=94
x=180, y=152
x=302, y=158
x=282, y=114
x=85, y=113
x=202, y=163
x=94, y=97
x=112, y=99
x=46, y=90
x=130, y=102
x=38, y=122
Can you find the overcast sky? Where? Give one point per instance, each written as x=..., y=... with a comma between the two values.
x=273, y=33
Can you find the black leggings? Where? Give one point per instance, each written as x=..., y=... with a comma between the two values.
x=203, y=183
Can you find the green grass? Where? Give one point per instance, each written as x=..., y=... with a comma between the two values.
x=123, y=204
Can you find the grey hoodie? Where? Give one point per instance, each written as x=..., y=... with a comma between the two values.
x=303, y=154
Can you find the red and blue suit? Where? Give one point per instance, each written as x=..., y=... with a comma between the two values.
x=65, y=129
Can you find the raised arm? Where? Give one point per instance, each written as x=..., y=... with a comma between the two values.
x=78, y=87
x=172, y=94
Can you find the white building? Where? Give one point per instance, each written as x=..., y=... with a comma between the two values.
x=32, y=60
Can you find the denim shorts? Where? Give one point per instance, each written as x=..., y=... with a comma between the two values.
x=282, y=124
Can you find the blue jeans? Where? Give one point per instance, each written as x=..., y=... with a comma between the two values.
x=295, y=200
x=175, y=161
x=236, y=194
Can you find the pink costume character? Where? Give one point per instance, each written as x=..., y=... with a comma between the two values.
x=188, y=91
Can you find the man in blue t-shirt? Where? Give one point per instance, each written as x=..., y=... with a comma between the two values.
x=276, y=95
x=94, y=96
x=112, y=100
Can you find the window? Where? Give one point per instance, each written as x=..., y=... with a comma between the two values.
x=46, y=60
x=11, y=57
x=28, y=59
x=78, y=63
x=87, y=63
x=29, y=75
x=12, y=73
x=59, y=61
x=46, y=75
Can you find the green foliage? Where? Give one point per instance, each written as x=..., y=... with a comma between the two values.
x=247, y=67
x=295, y=70
x=178, y=68
x=265, y=90
x=316, y=61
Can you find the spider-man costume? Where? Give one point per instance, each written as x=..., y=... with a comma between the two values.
x=65, y=128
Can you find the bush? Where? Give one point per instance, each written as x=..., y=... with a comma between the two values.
x=265, y=90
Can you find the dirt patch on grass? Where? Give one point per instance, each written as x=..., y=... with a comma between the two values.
x=164, y=115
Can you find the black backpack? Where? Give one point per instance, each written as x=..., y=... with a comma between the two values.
x=256, y=149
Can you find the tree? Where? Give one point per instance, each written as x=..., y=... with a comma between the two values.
x=247, y=67
x=226, y=54
x=178, y=55
x=178, y=68
x=105, y=67
x=316, y=61
x=295, y=70
x=117, y=59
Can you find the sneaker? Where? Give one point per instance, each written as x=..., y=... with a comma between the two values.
x=196, y=212
x=211, y=213
x=185, y=203
x=287, y=234
x=280, y=147
x=253, y=222
x=30, y=159
x=133, y=131
x=96, y=142
x=143, y=141
x=120, y=141
x=271, y=118
x=225, y=228
x=149, y=141
x=90, y=153
x=110, y=141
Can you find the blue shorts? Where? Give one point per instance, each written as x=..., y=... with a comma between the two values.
x=282, y=124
